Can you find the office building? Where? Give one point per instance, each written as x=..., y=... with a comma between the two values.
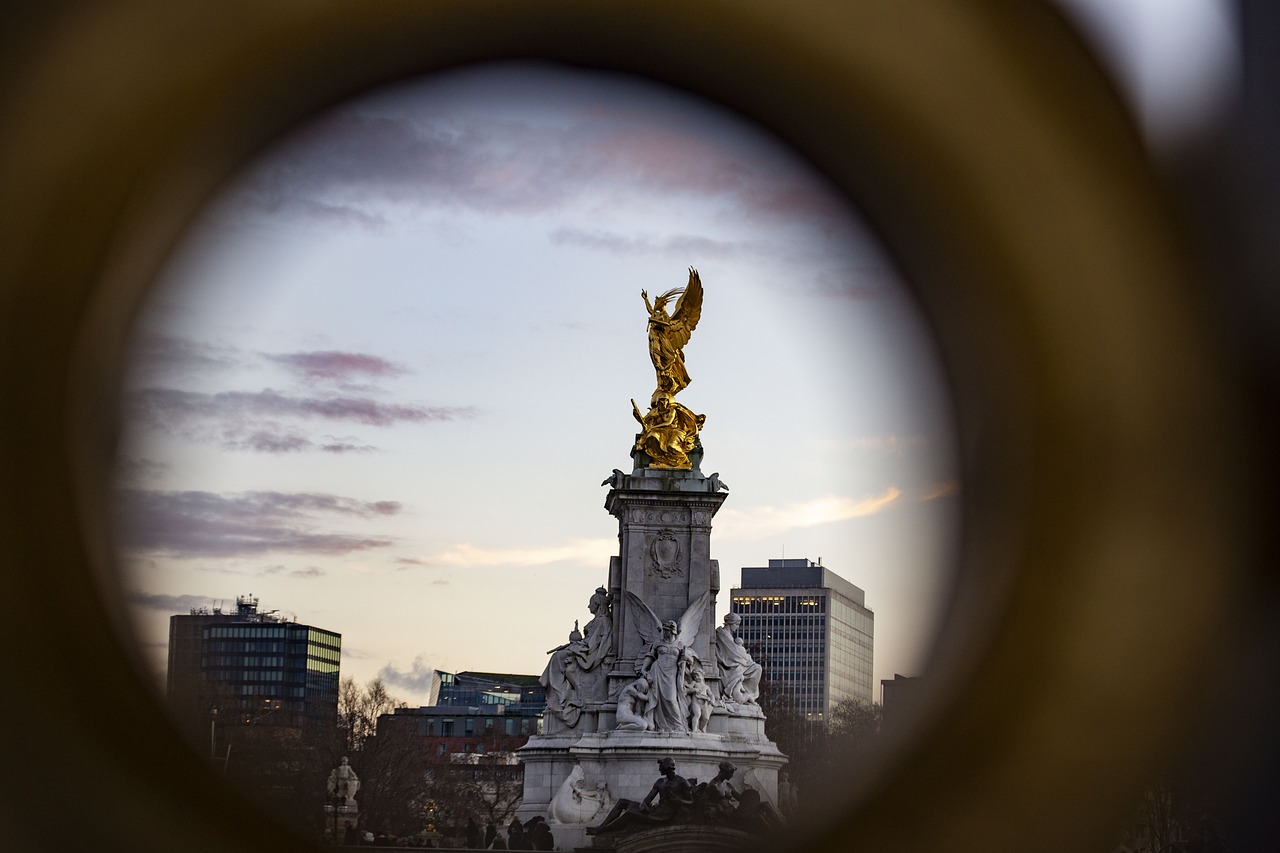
x=521, y=694
x=473, y=713
x=257, y=668
x=810, y=630
x=470, y=736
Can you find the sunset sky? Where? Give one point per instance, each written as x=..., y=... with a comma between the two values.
x=379, y=385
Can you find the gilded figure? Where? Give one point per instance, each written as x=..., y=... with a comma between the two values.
x=668, y=333
x=668, y=431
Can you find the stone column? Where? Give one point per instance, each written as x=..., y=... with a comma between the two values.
x=664, y=534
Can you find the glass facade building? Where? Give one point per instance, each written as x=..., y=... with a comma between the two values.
x=518, y=694
x=810, y=630
x=267, y=668
x=472, y=714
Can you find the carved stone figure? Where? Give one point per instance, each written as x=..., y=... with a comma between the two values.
x=584, y=652
x=674, y=797
x=665, y=663
x=739, y=673
x=788, y=795
x=343, y=782
x=576, y=802
x=718, y=801
x=669, y=334
x=635, y=706
x=667, y=658
x=701, y=701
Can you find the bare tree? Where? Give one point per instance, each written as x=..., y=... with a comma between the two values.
x=487, y=784
x=359, y=707
x=390, y=761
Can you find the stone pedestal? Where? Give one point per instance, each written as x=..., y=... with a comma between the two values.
x=345, y=813
x=663, y=571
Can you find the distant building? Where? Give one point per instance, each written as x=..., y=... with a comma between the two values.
x=257, y=668
x=458, y=730
x=489, y=688
x=810, y=630
x=474, y=713
x=471, y=737
x=899, y=698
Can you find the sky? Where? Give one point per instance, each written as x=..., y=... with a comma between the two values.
x=1175, y=62
x=379, y=383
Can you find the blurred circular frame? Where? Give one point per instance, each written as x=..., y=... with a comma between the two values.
x=1099, y=454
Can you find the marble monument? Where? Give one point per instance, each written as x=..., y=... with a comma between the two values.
x=650, y=677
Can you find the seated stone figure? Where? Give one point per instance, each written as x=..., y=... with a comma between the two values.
x=674, y=797
x=718, y=801
x=635, y=707
x=739, y=673
x=585, y=652
x=344, y=783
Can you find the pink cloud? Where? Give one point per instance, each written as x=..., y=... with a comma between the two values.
x=207, y=524
x=336, y=365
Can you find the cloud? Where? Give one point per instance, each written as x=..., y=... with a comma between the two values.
x=157, y=354
x=756, y=522
x=350, y=163
x=170, y=603
x=941, y=490
x=247, y=420
x=165, y=405
x=750, y=523
x=586, y=551
x=308, y=572
x=345, y=445
x=888, y=445
x=417, y=679
x=855, y=282
x=675, y=246
x=136, y=472
x=205, y=524
x=263, y=441
x=337, y=366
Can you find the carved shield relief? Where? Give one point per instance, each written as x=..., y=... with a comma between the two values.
x=664, y=555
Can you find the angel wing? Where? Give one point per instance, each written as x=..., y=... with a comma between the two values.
x=649, y=626
x=691, y=622
x=644, y=619
x=688, y=310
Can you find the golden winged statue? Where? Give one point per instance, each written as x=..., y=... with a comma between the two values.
x=669, y=431
x=669, y=333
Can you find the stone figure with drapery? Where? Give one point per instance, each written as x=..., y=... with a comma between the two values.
x=667, y=658
x=584, y=653
x=344, y=783
x=739, y=672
